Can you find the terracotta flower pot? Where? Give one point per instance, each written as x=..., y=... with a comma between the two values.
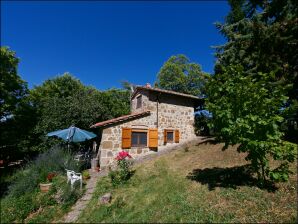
x=45, y=187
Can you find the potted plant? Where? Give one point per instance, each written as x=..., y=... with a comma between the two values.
x=85, y=175
x=45, y=187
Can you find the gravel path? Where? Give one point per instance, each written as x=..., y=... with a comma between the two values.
x=81, y=204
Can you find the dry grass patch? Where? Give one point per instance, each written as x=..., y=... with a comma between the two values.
x=200, y=184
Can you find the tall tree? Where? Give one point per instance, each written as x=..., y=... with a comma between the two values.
x=15, y=111
x=246, y=111
x=181, y=75
x=255, y=82
x=63, y=101
x=262, y=37
x=12, y=87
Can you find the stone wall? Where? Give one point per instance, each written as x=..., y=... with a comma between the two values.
x=166, y=112
x=175, y=113
x=112, y=138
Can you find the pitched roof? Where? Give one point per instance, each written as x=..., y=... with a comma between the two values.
x=119, y=119
x=163, y=91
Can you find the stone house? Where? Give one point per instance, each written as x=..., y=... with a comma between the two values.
x=158, y=118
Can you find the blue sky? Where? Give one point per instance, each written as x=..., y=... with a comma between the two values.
x=103, y=43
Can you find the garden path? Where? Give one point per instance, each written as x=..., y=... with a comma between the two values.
x=81, y=204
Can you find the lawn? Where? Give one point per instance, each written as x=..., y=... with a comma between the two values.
x=197, y=184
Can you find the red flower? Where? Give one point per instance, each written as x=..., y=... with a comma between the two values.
x=50, y=176
x=123, y=155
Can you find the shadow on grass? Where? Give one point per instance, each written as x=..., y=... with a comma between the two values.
x=230, y=177
x=210, y=140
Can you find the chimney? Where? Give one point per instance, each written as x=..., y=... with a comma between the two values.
x=148, y=85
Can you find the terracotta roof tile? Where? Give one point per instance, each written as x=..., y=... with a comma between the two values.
x=119, y=119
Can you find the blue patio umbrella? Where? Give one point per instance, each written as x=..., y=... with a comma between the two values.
x=73, y=134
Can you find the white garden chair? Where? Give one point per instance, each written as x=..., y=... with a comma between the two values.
x=72, y=177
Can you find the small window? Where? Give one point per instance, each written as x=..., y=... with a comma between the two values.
x=170, y=136
x=139, y=139
x=139, y=102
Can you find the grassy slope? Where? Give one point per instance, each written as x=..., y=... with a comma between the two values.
x=161, y=191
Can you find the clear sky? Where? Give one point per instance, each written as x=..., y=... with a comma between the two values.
x=102, y=43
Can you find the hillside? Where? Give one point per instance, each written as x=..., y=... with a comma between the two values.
x=197, y=184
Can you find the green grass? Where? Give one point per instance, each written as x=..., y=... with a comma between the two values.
x=37, y=207
x=161, y=190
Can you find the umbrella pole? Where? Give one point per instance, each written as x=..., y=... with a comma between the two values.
x=68, y=147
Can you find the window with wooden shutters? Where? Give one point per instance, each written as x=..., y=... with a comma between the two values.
x=168, y=136
x=165, y=136
x=153, y=138
x=177, y=136
x=126, y=138
x=139, y=138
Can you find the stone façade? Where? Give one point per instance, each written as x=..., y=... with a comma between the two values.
x=167, y=111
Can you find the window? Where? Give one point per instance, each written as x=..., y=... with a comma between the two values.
x=170, y=136
x=139, y=139
x=139, y=102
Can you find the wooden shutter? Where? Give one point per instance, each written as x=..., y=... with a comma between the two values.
x=153, y=138
x=126, y=138
x=165, y=136
x=177, y=136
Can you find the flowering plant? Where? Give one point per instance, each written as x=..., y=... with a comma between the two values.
x=50, y=176
x=123, y=173
x=122, y=155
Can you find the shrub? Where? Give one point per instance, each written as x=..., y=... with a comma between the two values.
x=123, y=172
x=62, y=192
x=24, y=197
x=86, y=174
x=17, y=209
x=54, y=160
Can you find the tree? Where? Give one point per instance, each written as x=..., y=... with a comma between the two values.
x=12, y=87
x=180, y=75
x=262, y=37
x=64, y=101
x=246, y=111
x=255, y=83
x=116, y=103
x=15, y=111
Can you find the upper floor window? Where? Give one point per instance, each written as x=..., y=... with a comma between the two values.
x=139, y=102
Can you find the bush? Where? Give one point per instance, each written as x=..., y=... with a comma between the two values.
x=86, y=174
x=17, y=209
x=62, y=192
x=202, y=119
x=54, y=160
x=123, y=172
x=24, y=196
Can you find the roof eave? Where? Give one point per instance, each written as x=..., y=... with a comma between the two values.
x=121, y=119
x=165, y=92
